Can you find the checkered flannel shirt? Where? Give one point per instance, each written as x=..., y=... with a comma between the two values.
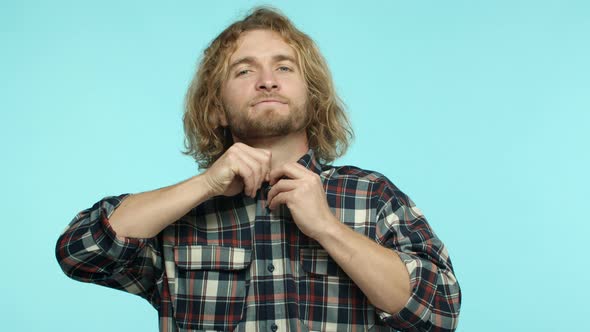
x=229, y=264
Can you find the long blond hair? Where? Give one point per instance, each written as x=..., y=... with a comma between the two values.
x=329, y=131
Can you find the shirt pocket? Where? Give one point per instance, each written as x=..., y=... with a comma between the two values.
x=329, y=299
x=212, y=284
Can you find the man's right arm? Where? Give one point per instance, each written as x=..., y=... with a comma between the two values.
x=146, y=214
x=114, y=242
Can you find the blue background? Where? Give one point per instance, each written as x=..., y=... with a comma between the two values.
x=478, y=110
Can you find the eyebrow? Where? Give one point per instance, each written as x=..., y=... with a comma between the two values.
x=251, y=60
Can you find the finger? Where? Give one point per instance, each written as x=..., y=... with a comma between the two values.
x=263, y=157
x=253, y=177
x=280, y=198
x=244, y=167
x=283, y=185
x=291, y=170
x=243, y=170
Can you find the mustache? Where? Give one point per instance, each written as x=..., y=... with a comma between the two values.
x=274, y=96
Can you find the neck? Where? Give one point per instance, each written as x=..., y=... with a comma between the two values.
x=284, y=149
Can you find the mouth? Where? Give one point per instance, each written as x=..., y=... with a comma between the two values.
x=268, y=101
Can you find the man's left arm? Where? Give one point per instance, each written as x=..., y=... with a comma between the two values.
x=407, y=275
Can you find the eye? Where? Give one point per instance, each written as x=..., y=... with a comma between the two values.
x=285, y=69
x=243, y=72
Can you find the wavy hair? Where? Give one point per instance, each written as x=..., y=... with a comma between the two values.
x=329, y=131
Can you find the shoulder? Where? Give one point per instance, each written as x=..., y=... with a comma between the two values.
x=353, y=173
x=379, y=184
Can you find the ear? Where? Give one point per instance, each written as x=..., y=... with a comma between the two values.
x=217, y=115
x=221, y=116
x=220, y=110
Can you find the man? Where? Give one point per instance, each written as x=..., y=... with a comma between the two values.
x=269, y=237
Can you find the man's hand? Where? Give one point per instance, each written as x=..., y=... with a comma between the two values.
x=303, y=193
x=241, y=167
x=378, y=271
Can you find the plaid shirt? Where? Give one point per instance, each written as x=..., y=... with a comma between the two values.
x=229, y=264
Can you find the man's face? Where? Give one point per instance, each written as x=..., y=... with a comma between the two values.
x=264, y=94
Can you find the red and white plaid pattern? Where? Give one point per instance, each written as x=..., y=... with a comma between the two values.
x=230, y=265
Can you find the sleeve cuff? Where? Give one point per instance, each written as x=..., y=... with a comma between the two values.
x=423, y=284
x=119, y=250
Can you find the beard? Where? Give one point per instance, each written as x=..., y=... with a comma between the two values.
x=266, y=122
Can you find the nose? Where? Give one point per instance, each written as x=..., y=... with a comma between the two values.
x=267, y=81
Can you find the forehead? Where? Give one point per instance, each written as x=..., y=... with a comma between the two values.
x=260, y=44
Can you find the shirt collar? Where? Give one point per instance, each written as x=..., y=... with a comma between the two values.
x=308, y=161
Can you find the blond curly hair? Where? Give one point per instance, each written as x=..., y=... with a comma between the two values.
x=329, y=131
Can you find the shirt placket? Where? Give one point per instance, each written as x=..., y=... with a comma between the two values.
x=277, y=265
x=268, y=313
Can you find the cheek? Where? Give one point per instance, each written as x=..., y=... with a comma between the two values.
x=232, y=96
x=303, y=94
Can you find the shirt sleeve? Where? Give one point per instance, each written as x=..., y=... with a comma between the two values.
x=88, y=250
x=435, y=301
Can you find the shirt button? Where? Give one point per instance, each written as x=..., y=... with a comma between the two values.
x=266, y=190
x=274, y=327
x=270, y=268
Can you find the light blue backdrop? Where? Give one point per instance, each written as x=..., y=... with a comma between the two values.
x=478, y=110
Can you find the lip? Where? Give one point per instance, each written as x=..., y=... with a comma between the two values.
x=268, y=101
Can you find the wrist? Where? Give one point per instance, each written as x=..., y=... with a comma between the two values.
x=202, y=185
x=331, y=230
